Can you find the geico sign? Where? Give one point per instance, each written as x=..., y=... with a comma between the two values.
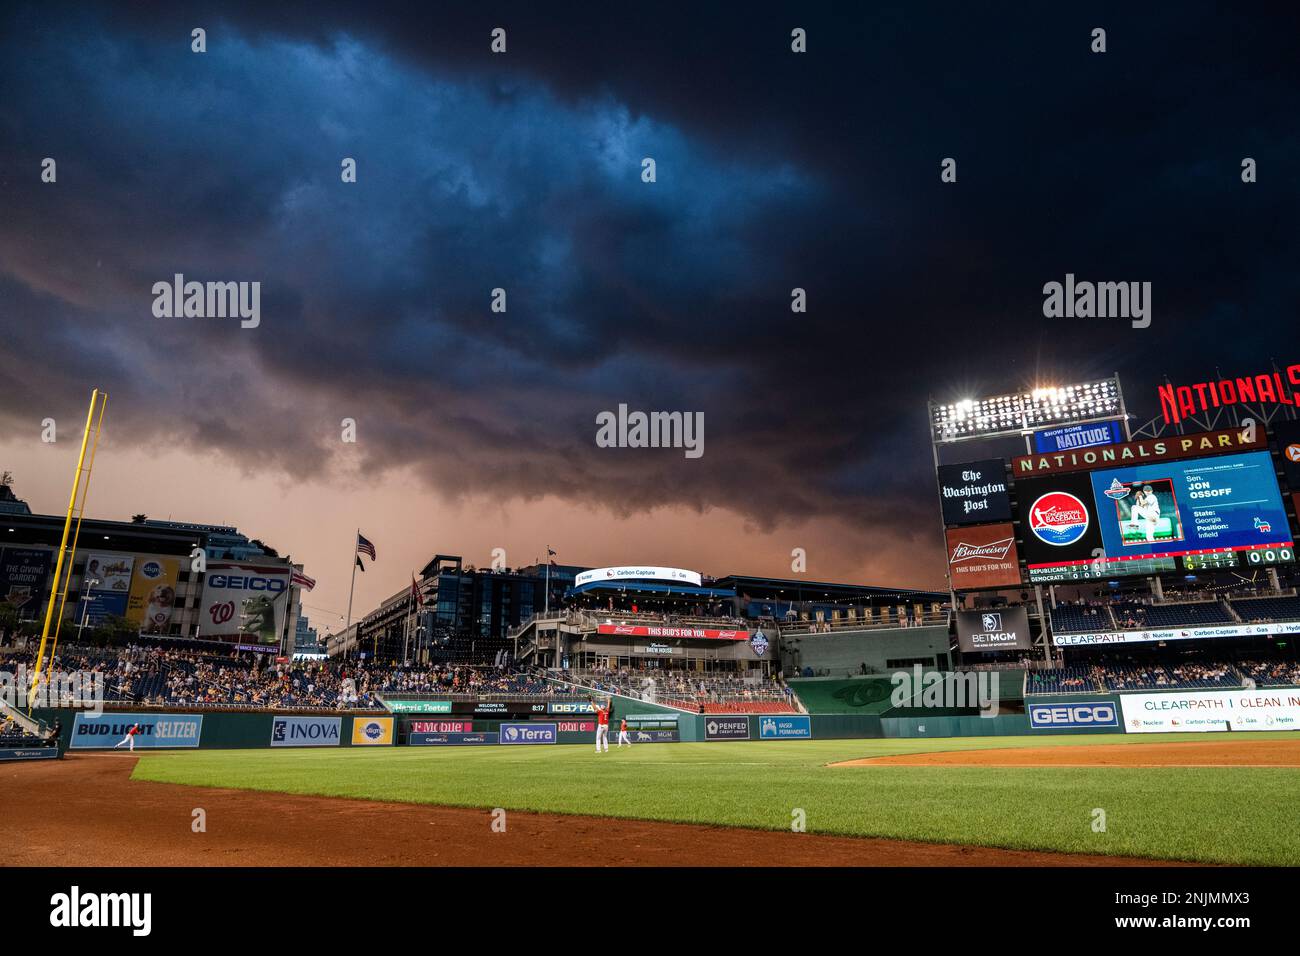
x=1084, y=714
x=245, y=582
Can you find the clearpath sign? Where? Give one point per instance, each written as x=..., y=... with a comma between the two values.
x=1265, y=708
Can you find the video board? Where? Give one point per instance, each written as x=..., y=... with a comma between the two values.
x=1207, y=513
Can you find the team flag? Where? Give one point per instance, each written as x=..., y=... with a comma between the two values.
x=364, y=546
x=359, y=564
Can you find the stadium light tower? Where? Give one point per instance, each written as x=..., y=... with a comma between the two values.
x=1023, y=413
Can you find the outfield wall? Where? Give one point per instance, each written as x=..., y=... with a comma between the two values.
x=219, y=730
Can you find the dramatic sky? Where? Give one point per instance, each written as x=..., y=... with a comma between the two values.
x=775, y=170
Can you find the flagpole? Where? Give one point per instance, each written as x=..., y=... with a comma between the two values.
x=347, y=627
x=546, y=602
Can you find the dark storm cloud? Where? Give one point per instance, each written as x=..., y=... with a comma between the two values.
x=522, y=172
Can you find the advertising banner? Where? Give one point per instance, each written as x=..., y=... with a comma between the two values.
x=108, y=597
x=576, y=726
x=1078, y=436
x=527, y=733
x=656, y=630
x=653, y=736
x=451, y=739
x=442, y=726
x=24, y=577
x=1148, y=451
x=1075, y=714
x=245, y=601
x=983, y=556
x=571, y=707
x=1287, y=435
x=782, y=727
x=418, y=706
x=1176, y=634
x=372, y=731
x=1004, y=629
x=306, y=732
x=726, y=728
x=637, y=573
x=153, y=595
x=974, y=492
x=1266, y=708
x=90, y=732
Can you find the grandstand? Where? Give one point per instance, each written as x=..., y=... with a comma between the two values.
x=693, y=691
x=155, y=677
x=1266, y=610
x=1187, y=675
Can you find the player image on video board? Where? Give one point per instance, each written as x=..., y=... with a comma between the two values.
x=1204, y=505
x=1147, y=511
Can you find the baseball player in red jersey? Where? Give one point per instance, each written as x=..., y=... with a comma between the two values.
x=602, y=725
x=623, y=738
x=129, y=739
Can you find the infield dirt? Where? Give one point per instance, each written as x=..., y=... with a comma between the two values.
x=1210, y=753
x=85, y=810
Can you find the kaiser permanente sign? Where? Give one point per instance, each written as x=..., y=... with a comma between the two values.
x=637, y=573
x=1138, y=452
x=1177, y=634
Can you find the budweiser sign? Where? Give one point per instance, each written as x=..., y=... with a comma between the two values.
x=983, y=557
x=997, y=550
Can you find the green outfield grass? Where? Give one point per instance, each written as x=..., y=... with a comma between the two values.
x=1217, y=815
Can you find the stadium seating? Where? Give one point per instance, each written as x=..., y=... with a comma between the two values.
x=689, y=690
x=1079, y=619
x=1263, y=610
x=1060, y=680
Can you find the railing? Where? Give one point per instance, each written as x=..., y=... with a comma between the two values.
x=862, y=624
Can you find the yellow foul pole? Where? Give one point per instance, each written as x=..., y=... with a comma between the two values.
x=63, y=545
x=76, y=537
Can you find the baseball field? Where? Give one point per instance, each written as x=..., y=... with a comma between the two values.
x=993, y=801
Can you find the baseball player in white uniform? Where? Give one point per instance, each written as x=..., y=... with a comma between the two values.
x=1146, y=512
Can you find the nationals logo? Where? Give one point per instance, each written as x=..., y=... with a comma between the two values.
x=1058, y=518
x=221, y=613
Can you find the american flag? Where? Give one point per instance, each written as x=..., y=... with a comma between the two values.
x=364, y=546
x=416, y=596
x=299, y=580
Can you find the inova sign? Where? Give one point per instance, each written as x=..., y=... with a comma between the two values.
x=306, y=731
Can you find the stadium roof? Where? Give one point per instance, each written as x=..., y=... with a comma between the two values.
x=623, y=586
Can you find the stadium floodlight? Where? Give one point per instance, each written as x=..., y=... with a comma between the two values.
x=1024, y=412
